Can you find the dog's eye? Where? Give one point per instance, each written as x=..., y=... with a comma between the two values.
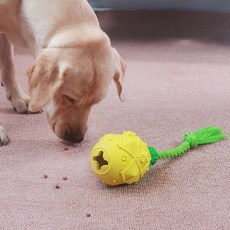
x=68, y=98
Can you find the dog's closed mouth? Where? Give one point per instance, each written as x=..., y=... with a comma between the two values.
x=53, y=126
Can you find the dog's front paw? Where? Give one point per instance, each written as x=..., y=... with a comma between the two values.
x=4, y=139
x=20, y=104
x=19, y=100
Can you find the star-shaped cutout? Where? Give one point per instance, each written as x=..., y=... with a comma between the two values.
x=100, y=160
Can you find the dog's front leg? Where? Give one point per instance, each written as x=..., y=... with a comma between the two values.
x=4, y=140
x=14, y=92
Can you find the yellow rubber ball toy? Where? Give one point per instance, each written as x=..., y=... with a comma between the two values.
x=120, y=159
x=124, y=158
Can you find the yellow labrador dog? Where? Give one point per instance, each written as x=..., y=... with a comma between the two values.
x=74, y=61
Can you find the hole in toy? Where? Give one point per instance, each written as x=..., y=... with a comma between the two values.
x=100, y=160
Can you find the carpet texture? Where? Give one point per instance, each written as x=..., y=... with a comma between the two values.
x=178, y=80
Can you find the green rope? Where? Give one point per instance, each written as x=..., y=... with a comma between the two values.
x=172, y=153
x=191, y=140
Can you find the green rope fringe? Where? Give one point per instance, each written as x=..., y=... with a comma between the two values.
x=192, y=140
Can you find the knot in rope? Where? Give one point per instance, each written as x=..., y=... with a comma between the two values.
x=190, y=137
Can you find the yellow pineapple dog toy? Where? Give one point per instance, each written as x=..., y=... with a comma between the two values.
x=125, y=158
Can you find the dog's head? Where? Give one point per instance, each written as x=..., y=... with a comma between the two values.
x=71, y=80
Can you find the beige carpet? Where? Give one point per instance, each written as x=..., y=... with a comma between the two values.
x=178, y=80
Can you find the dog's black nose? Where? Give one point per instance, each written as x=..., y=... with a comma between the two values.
x=73, y=137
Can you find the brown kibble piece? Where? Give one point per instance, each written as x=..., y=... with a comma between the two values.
x=64, y=178
x=66, y=149
x=57, y=186
x=45, y=176
x=88, y=215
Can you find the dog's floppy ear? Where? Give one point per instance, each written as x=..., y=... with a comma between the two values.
x=119, y=74
x=45, y=77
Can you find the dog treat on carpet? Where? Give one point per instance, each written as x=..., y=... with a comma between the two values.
x=45, y=176
x=57, y=186
x=64, y=178
x=88, y=215
x=125, y=158
x=66, y=148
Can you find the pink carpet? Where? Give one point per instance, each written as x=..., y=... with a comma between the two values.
x=178, y=80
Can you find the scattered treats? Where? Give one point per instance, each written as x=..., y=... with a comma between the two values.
x=66, y=148
x=45, y=176
x=88, y=215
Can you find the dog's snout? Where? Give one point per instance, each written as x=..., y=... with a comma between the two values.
x=73, y=137
x=67, y=134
